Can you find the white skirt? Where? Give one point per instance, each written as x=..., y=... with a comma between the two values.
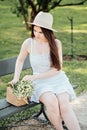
x=56, y=84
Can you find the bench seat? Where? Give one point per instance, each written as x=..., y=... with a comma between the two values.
x=7, y=109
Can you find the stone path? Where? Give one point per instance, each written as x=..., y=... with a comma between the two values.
x=80, y=108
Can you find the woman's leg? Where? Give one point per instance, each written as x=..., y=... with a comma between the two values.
x=52, y=109
x=67, y=112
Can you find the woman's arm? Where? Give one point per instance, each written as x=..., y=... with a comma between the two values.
x=20, y=61
x=47, y=74
x=44, y=75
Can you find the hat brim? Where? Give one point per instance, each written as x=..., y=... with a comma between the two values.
x=43, y=27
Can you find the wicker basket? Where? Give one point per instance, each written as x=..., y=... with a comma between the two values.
x=12, y=98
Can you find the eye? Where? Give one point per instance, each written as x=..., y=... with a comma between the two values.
x=40, y=32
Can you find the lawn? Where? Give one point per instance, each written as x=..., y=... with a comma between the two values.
x=63, y=25
x=13, y=33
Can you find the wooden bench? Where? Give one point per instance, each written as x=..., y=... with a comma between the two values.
x=7, y=66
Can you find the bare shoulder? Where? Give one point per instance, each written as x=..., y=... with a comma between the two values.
x=26, y=44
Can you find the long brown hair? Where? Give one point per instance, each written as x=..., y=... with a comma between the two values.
x=53, y=47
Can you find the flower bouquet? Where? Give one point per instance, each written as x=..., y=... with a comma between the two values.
x=19, y=93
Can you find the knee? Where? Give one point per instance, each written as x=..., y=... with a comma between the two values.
x=50, y=101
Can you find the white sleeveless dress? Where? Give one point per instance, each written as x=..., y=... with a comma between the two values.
x=56, y=84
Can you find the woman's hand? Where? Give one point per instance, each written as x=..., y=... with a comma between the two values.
x=14, y=81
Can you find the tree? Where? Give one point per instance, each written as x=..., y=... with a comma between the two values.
x=32, y=7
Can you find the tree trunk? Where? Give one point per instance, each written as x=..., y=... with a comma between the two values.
x=24, y=14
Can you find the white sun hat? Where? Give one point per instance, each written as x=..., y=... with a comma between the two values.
x=45, y=20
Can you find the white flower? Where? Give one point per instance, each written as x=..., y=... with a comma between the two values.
x=23, y=89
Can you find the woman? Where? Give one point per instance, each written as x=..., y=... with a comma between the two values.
x=52, y=86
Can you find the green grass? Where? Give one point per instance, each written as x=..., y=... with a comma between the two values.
x=13, y=33
x=77, y=73
x=63, y=25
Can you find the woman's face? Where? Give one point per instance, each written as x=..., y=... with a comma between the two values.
x=39, y=34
